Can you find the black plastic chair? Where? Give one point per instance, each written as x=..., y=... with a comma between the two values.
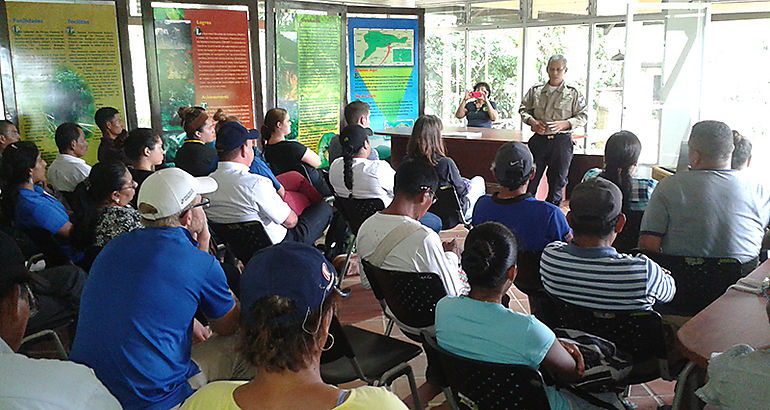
x=355, y=212
x=699, y=281
x=53, y=253
x=243, y=238
x=374, y=358
x=628, y=238
x=528, y=272
x=449, y=208
x=638, y=333
x=484, y=385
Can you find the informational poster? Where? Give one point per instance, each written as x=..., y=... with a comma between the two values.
x=384, y=69
x=204, y=60
x=66, y=65
x=308, y=76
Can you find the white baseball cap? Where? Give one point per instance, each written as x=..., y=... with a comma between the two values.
x=171, y=190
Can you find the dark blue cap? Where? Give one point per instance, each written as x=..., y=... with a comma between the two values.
x=233, y=135
x=292, y=270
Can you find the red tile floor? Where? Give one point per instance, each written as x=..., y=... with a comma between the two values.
x=361, y=309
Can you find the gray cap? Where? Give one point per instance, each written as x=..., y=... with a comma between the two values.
x=596, y=198
x=513, y=163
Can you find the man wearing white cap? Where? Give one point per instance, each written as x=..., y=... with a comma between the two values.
x=136, y=314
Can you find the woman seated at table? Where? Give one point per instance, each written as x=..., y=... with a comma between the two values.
x=426, y=143
x=621, y=154
x=480, y=112
x=355, y=176
x=284, y=155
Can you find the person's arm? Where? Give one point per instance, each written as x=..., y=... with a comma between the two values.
x=271, y=204
x=564, y=361
x=660, y=284
x=527, y=111
x=65, y=231
x=579, y=112
x=654, y=221
x=311, y=158
x=453, y=175
x=227, y=324
x=461, y=110
x=433, y=258
x=491, y=109
x=291, y=220
x=281, y=191
x=650, y=243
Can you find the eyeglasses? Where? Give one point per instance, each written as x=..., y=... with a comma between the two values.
x=204, y=203
x=433, y=194
x=34, y=306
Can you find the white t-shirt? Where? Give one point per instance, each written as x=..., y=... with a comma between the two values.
x=243, y=197
x=419, y=252
x=371, y=179
x=67, y=171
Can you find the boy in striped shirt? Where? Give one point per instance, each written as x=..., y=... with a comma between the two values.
x=588, y=271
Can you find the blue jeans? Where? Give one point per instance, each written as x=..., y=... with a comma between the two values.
x=432, y=221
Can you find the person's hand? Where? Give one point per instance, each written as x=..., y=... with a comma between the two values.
x=200, y=333
x=452, y=246
x=467, y=96
x=538, y=127
x=575, y=353
x=558, y=126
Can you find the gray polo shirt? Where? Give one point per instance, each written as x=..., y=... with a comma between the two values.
x=709, y=213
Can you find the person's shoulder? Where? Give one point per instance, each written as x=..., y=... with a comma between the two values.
x=571, y=88
x=538, y=87
x=370, y=397
x=217, y=394
x=555, y=247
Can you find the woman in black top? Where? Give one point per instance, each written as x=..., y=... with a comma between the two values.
x=144, y=151
x=481, y=112
x=195, y=156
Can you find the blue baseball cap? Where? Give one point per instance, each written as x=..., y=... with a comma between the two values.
x=233, y=135
x=292, y=270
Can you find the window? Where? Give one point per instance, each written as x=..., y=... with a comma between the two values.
x=445, y=73
x=495, y=12
x=558, y=9
x=139, y=73
x=605, y=105
x=495, y=56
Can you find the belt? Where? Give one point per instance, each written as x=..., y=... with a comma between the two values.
x=552, y=136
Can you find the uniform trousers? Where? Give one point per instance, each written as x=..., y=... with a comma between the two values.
x=555, y=153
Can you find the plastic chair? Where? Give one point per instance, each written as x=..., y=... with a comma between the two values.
x=528, y=272
x=485, y=385
x=449, y=208
x=376, y=359
x=52, y=252
x=628, y=238
x=638, y=333
x=699, y=281
x=243, y=238
x=355, y=212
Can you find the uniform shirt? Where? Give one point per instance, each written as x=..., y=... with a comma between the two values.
x=196, y=158
x=493, y=333
x=67, y=171
x=49, y=384
x=35, y=209
x=601, y=278
x=641, y=189
x=419, y=252
x=564, y=103
x=244, y=197
x=371, y=179
x=219, y=395
x=708, y=213
x=136, y=317
x=479, y=117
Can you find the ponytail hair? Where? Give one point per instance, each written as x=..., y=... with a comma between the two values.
x=347, y=171
x=104, y=179
x=426, y=142
x=193, y=119
x=134, y=142
x=16, y=165
x=490, y=252
x=273, y=116
x=621, y=153
x=220, y=118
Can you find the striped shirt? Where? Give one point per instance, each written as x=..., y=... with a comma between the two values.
x=601, y=278
x=641, y=189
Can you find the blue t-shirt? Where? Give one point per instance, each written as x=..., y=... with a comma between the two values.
x=479, y=117
x=38, y=210
x=259, y=167
x=508, y=337
x=534, y=223
x=136, y=314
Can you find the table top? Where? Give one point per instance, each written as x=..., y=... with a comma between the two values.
x=487, y=134
x=737, y=317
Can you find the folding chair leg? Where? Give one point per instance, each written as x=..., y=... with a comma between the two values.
x=450, y=398
x=681, y=384
x=48, y=332
x=344, y=272
x=413, y=388
x=389, y=327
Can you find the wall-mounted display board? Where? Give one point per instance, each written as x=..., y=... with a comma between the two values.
x=66, y=64
x=203, y=55
x=384, y=69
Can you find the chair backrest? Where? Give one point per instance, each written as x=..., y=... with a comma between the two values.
x=243, y=238
x=342, y=347
x=639, y=333
x=448, y=207
x=528, y=271
x=410, y=296
x=699, y=281
x=356, y=211
x=53, y=253
x=628, y=238
x=492, y=385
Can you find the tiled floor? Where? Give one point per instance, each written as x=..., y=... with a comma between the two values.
x=362, y=309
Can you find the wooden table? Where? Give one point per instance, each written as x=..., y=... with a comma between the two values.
x=736, y=317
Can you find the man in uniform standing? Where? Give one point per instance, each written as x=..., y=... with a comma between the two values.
x=553, y=110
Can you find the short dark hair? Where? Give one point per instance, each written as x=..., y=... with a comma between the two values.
x=490, y=251
x=712, y=139
x=104, y=115
x=355, y=110
x=414, y=176
x=483, y=84
x=137, y=140
x=66, y=134
x=742, y=151
x=4, y=124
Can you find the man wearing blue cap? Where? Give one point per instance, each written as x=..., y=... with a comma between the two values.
x=245, y=197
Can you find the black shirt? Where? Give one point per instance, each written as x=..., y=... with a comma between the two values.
x=285, y=156
x=479, y=117
x=196, y=158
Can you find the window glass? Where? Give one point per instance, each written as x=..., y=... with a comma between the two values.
x=558, y=9
x=445, y=16
x=495, y=56
x=139, y=74
x=605, y=105
x=444, y=73
x=495, y=12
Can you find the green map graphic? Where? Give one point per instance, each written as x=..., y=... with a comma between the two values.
x=383, y=47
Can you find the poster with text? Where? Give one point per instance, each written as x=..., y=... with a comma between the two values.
x=66, y=65
x=384, y=69
x=204, y=60
x=308, y=76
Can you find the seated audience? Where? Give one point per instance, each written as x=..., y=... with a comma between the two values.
x=708, y=210
x=356, y=113
x=284, y=155
x=144, y=151
x=104, y=213
x=620, y=157
x=69, y=168
x=479, y=327
x=111, y=125
x=741, y=158
x=281, y=302
x=588, y=271
x=30, y=383
x=136, y=319
x=426, y=144
x=196, y=156
x=243, y=196
x=8, y=134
